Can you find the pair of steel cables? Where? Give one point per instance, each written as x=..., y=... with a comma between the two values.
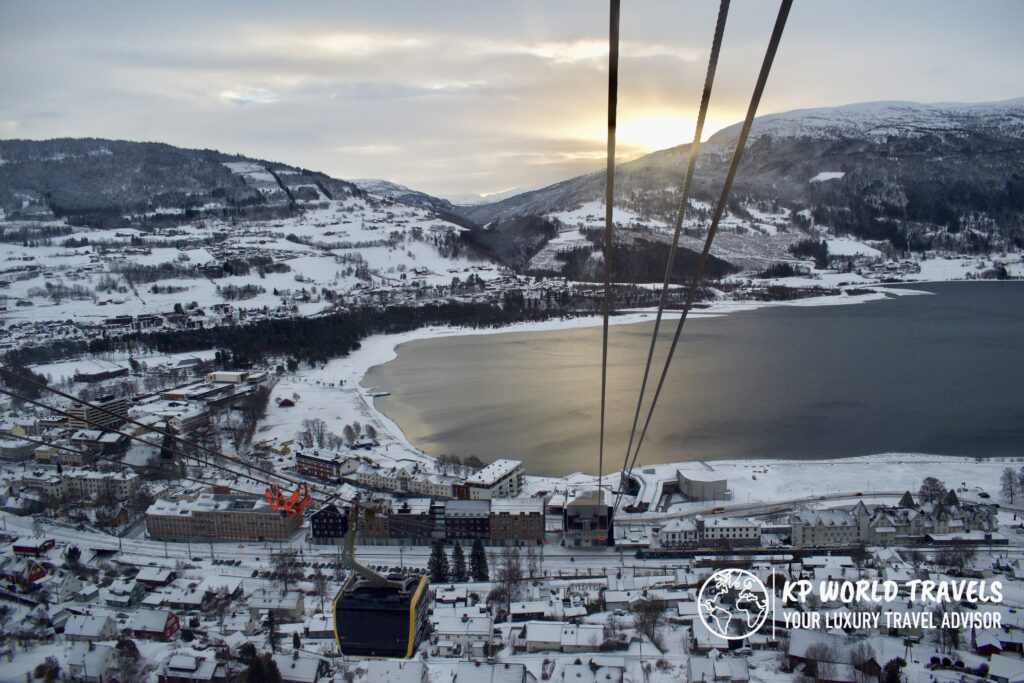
x=635, y=437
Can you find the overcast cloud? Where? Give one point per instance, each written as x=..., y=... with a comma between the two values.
x=469, y=97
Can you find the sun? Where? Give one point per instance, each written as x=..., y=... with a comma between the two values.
x=652, y=132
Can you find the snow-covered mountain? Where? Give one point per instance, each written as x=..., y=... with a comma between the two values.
x=880, y=120
x=923, y=176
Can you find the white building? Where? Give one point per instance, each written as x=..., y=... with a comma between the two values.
x=501, y=479
x=824, y=527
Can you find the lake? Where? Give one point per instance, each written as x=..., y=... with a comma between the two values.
x=940, y=373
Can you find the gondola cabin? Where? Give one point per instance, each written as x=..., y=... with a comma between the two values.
x=373, y=620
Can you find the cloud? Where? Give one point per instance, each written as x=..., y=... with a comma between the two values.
x=249, y=96
x=368, y=149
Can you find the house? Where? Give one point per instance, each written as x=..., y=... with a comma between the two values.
x=319, y=627
x=393, y=671
x=88, y=627
x=90, y=663
x=286, y=606
x=540, y=636
x=296, y=668
x=33, y=546
x=1005, y=669
x=156, y=576
x=719, y=670
x=61, y=585
x=123, y=593
x=805, y=652
x=155, y=624
x=180, y=668
x=503, y=672
x=22, y=571
x=465, y=633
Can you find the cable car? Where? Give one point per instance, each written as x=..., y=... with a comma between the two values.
x=381, y=620
x=375, y=616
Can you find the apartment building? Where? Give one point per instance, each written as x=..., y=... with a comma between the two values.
x=501, y=479
x=326, y=466
x=219, y=517
x=515, y=521
x=107, y=412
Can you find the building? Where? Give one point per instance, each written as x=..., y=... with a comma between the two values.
x=412, y=521
x=556, y=636
x=501, y=479
x=108, y=412
x=16, y=450
x=87, y=483
x=588, y=519
x=23, y=571
x=679, y=533
x=884, y=525
x=91, y=663
x=154, y=577
x=823, y=527
x=225, y=377
x=219, y=517
x=392, y=671
x=297, y=668
x=155, y=624
x=181, y=417
x=89, y=627
x=328, y=525
x=503, y=672
x=287, y=606
x=405, y=478
x=517, y=521
x=467, y=519
x=327, y=466
x=702, y=483
x=180, y=668
x=728, y=531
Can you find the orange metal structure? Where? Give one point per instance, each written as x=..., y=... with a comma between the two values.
x=295, y=504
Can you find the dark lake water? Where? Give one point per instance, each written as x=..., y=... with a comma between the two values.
x=939, y=373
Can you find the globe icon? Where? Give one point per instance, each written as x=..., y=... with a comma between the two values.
x=733, y=604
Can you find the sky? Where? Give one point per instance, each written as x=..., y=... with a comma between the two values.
x=457, y=98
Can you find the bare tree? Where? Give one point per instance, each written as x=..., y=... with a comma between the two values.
x=822, y=659
x=287, y=568
x=1008, y=483
x=320, y=586
x=956, y=558
x=313, y=433
x=648, y=615
x=508, y=583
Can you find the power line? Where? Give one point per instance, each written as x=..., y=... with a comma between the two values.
x=716, y=47
x=762, y=79
x=609, y=211
x=134, y=437
x=45, y=387
x=142, y=468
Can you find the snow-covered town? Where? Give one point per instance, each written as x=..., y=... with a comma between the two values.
x=267, y=416
x=117, y=533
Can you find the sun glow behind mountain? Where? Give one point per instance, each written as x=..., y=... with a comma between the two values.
x=650, y=132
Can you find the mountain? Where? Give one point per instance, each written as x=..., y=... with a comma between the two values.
x=403, y=195
x=92, y=180
x=917, y=175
